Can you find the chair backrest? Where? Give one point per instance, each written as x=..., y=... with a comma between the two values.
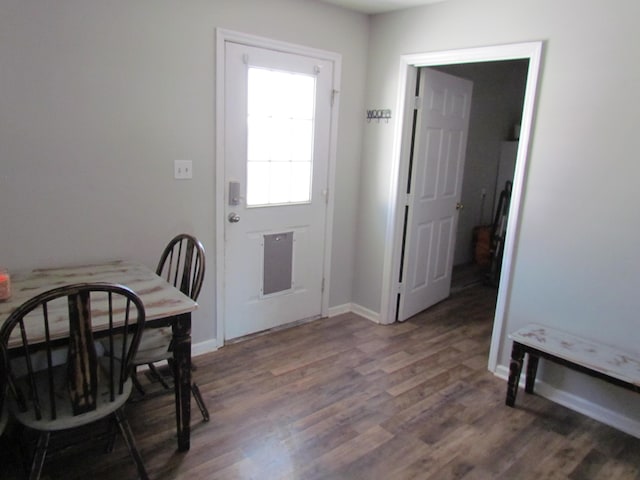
x=68, y=318
x=182, y=264
x=3, y=385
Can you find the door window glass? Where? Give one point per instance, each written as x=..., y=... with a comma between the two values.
x=280, y=125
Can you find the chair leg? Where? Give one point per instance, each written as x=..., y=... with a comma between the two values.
x=22, y=450
x=127, y=434
x=199, y=401
x=136, y=382
x=159, y=376
x=111, y=440
x=38, y=457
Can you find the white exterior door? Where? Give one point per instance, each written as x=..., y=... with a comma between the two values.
x=277, y=137
x=441, y=132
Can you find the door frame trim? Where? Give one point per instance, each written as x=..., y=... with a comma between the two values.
x=531, y=51
x=223, y=36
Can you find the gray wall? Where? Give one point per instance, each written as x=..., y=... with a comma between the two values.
x=97, y=99
x=576, y=265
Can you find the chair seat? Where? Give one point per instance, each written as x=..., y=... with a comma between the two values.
x=65, y=418
x=154, y=346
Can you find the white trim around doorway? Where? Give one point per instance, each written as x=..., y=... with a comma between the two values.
x=531, y=51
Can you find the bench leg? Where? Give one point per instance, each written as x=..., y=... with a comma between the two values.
x=532, y=369
x=515, y=368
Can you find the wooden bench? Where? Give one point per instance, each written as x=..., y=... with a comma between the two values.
x=586, y=356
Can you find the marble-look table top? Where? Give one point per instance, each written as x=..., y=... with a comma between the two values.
x=160, y=299
x=611, y=361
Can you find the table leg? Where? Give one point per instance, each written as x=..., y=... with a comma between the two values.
x=515, y=368
x=532, y=369
x=182, y=365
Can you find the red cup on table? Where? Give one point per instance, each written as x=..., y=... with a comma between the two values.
x=5, y=285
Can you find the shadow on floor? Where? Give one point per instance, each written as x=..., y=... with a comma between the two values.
x=467, y=275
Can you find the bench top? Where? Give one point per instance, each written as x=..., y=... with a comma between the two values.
x=605, y=359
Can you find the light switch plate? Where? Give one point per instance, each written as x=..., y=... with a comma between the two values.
x=182, y=169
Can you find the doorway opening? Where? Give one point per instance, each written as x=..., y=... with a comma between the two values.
x=494, y=131
x=530, y=52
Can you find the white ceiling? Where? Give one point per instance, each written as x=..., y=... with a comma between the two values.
x=379, y=6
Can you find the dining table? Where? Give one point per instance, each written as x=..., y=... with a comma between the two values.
x=164, y=305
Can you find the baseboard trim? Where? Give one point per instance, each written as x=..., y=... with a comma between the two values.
x=578, y=404
x=365, y=312
x=354, y=308
x=201, y=348
x=339, y=310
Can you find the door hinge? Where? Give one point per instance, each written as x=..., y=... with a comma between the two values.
x=334, y=93
x=417, y=103
x=322, y=287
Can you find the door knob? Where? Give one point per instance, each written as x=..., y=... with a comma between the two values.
x=459, y=206
x=233, y=217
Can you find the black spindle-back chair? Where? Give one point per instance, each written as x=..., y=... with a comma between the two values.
x=182, y=264
x=3, y=388
x=48, y=395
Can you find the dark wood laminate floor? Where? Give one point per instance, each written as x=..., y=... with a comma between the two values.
x=343, y=398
